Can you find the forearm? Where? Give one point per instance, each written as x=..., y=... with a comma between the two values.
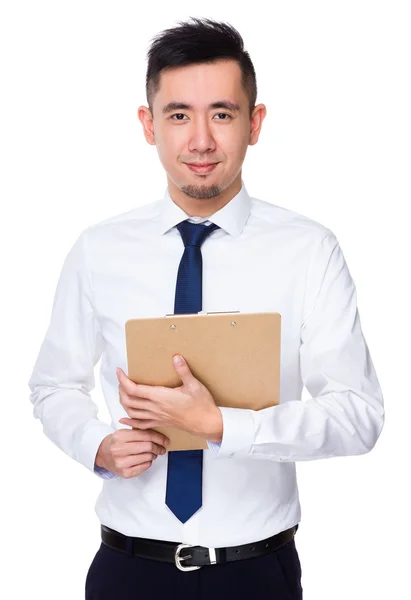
x=69, y=419
x=337, y=424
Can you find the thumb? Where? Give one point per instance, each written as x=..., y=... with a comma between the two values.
x=182, y=368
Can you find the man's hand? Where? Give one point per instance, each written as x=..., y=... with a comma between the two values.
x=189, y=407
x=129, y=452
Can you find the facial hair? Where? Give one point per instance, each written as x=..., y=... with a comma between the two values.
x=201, y=191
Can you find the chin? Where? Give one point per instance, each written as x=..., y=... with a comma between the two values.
x=201, y=191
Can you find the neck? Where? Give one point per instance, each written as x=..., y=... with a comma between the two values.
x=203, y=207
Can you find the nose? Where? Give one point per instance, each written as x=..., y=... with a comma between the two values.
x=201, y=138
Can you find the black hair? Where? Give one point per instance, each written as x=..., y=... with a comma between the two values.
x=201, y=41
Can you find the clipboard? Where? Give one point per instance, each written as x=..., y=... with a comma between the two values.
x=235, y=355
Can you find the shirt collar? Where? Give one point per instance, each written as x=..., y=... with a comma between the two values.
x=232, y=217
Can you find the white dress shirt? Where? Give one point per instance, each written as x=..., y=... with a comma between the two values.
x=263, y=258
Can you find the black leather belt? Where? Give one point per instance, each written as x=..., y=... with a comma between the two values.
x=195, y=557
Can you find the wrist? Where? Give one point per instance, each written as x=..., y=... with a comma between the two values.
x=100, y=460
x=216, y=430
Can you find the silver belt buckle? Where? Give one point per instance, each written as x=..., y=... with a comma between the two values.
x=178, y=558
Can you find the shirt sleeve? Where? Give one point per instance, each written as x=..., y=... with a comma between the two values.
x=63, y=374
x=345, y=413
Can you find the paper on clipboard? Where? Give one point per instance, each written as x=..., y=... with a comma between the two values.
x=235, y=355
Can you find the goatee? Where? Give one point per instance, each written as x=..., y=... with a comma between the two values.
x=201, y=191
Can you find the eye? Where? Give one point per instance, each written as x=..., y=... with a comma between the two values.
x=225, y=115
x=217, y=114
x=177, y=115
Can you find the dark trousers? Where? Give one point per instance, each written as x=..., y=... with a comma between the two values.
x=114, y=575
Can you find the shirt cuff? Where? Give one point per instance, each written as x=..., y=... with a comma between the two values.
x=93, y=435
x=104, y=473
x=238, y=432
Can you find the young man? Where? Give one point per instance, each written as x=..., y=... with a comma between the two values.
x=207, y=245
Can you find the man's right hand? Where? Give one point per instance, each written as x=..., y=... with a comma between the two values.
x=129, y=452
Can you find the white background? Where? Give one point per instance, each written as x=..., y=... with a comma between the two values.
x=335, y=146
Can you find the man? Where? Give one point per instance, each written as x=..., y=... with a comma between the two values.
x=207, y=245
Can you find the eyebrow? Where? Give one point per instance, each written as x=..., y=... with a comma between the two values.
x=233, y=106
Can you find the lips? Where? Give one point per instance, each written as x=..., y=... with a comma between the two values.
x=202, y=168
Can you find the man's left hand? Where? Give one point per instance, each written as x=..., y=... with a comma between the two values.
x=189, y=407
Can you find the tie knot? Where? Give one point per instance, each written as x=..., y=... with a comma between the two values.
x=194, y=234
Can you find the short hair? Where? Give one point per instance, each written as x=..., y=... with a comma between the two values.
x=200, y=41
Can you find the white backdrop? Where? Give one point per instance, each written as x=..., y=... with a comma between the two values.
x=335, y=146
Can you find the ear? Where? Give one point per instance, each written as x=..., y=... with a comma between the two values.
x=146, y=119
x=257, y=118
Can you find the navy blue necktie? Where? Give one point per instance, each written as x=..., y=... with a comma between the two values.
x=185, y=467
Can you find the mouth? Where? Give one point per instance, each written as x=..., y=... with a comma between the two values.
x=198, y=168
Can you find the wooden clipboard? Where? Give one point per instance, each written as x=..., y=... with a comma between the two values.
x=235, y=355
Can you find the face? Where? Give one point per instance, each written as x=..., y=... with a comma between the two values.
x=201, y=117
